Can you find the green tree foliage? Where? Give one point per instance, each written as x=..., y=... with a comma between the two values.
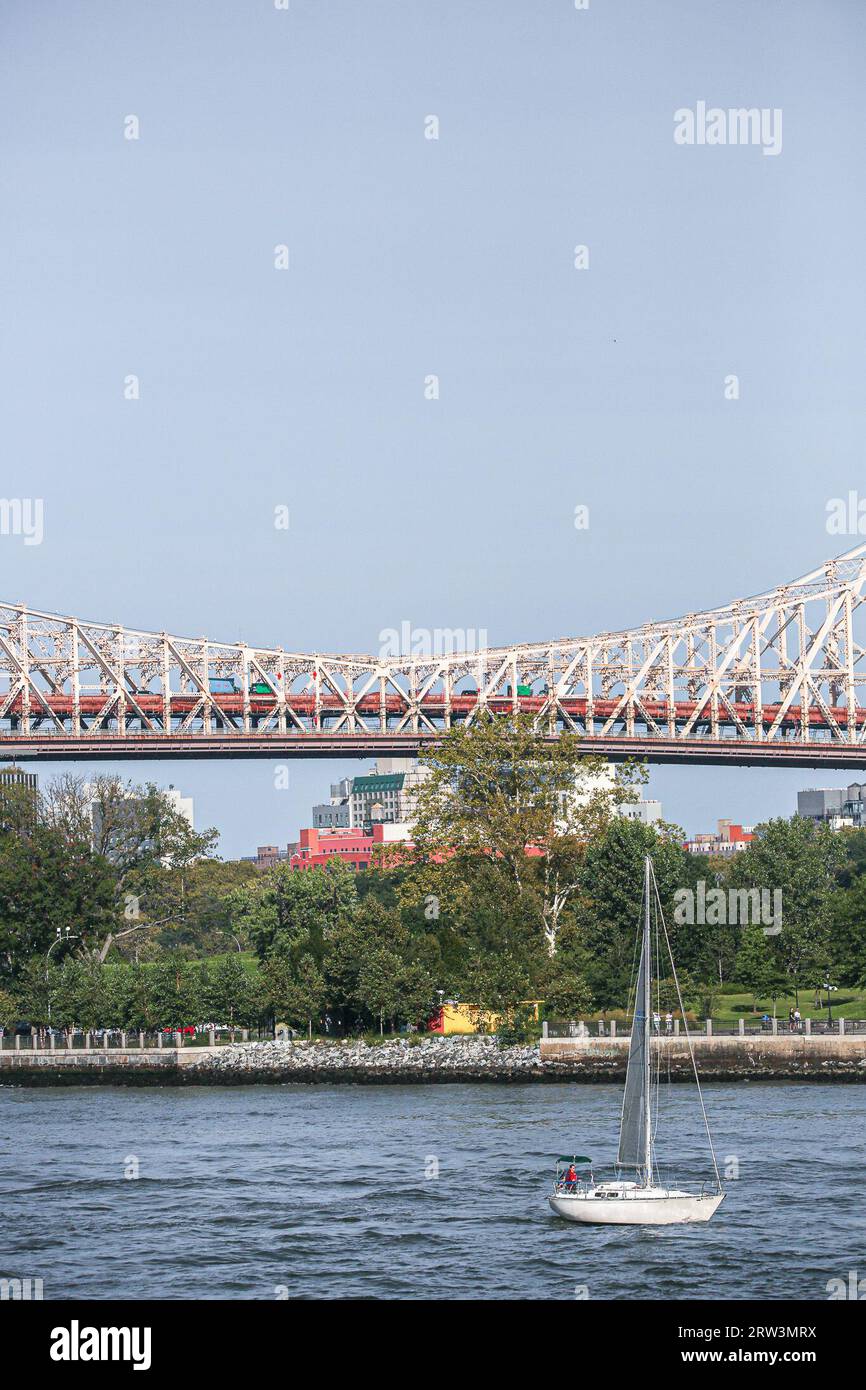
x=49, y=884
x=847, y=946
x=205, y=925
x=285, y=910
x=294, y=990
x=522, y=885
x=801, y=859
x=604, y=944
x=567, y=995
x=758, y=965
x=234, y=995
x=531, y=807
x=370, y=971
x=8, y=1008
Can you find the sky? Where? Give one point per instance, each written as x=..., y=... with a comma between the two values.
x=559, y=387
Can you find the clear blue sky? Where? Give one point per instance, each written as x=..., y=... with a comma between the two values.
x=409, y=256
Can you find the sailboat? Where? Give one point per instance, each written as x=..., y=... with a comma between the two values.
x=636, y=1197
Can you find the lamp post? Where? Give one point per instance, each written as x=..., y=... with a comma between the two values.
x=828, y=987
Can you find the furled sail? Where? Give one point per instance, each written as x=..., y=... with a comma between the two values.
x=634, y=1129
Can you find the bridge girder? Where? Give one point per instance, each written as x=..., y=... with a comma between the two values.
x=777, y=678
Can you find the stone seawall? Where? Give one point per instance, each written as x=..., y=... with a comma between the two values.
x=790, y=1057
x=432, y=1060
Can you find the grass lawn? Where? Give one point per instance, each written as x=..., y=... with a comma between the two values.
x=846, y=1003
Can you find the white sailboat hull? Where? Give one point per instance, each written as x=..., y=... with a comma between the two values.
x=645, y=1206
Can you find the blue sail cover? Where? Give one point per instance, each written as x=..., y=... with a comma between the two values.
x=636, y=1101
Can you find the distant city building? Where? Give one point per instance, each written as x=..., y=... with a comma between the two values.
x=266, y=856
x=586, y=786
x=647, y=812
x=17, y=777
x=334, y=814
x=728, y=839
x=386, y=799
x=376, y=798
x=353, y=847
x=181, y=805
x=839, y=807
x=388, y=794
x=16, y=786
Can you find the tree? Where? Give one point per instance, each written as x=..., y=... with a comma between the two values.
x=152, y=850
x=8, y=1008
x=49, y=884
x=130, y=826
x=567, y=994
x=31, y=991
x=530, y=806
x=377, y=987
x=602, y=946
x=234, y=995
x=801, y=859
x=370, y=971
x=848, y=937
x=83, y=998
x=286, y=909
x=295, y=992
x=758, y=966
x=205, y=925
x=168, y=999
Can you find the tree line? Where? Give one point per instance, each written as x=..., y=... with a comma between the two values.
x=521, y=883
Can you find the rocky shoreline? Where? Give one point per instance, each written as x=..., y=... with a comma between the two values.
x=431, y=1059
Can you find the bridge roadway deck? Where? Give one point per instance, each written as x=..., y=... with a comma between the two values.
x=617, y=748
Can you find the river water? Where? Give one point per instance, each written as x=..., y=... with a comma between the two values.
x=331, y=1191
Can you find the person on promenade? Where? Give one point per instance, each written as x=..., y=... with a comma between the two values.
x=669, y=1022
x=797, y=1020
x=657, y=1020
x=791, y=1019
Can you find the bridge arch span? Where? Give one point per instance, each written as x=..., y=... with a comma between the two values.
x=775, y=679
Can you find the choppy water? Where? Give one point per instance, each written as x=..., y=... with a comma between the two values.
x=320, y=1191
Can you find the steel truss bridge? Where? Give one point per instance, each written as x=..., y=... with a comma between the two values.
x=779, y=679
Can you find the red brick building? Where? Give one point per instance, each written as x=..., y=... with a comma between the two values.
x=318, y=848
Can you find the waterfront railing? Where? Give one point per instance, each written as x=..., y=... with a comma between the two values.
x=118, y=1040
x=739, y=1028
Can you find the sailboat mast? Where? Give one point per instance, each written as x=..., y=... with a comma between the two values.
x=647, y=1023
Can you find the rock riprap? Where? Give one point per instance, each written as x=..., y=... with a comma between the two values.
x=453, y=1056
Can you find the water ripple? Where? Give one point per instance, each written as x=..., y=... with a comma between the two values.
x=325, y=1192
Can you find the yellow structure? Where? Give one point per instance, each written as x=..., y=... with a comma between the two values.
x=469, y=1018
